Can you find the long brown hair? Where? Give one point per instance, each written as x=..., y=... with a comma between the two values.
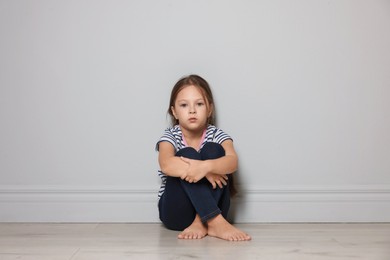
x=201, y=83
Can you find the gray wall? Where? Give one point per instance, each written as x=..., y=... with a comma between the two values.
x=302, y=86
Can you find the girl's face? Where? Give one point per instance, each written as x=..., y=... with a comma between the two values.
x=191, y=109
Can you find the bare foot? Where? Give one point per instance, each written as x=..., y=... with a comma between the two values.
x=196, y=230
x=219, y=227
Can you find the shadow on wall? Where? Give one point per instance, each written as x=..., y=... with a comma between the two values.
x=235, y=206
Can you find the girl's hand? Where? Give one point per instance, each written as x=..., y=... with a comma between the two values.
x=216, y=179
x=196, y=170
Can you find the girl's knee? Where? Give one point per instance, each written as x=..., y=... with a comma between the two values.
x=189, y=152
x=212, y=151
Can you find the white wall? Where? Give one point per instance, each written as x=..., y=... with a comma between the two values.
x=302, y=86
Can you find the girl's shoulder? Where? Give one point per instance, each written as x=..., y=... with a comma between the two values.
x=213, y=129
x=216, y=134
x=172, y=135
x=173, y=129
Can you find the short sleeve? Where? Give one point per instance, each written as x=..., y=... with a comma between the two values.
x=220, y=136
x=169, y=137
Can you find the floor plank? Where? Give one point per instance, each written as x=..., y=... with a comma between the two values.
x=152, y=241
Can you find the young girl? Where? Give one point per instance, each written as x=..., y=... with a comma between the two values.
x=196, y=160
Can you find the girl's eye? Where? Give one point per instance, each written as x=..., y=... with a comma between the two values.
x=200, y=104
x=183, y=105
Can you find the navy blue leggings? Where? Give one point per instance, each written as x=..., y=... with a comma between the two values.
x=182, y=200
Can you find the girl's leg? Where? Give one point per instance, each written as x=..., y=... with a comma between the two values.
x=196, y=229
x=210, y=203
x=204, y=198
x=206, y=201
x=175, y=208
x=219, y=226
x=178, y=210
x=221, y=196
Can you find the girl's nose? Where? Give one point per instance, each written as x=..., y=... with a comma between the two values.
x=192, y=110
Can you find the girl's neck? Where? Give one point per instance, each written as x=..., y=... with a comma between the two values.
x=193, y=139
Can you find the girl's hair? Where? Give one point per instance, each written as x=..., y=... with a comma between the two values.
x=204, y=87
x=199, y=82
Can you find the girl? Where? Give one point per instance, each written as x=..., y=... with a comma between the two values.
x=196, y=160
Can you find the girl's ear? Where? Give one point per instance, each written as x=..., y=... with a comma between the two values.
x=211, y=109
x=173, y=112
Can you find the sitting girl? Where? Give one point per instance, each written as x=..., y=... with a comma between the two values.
x=196, y=160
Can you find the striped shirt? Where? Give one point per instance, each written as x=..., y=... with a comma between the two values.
x=174, y=136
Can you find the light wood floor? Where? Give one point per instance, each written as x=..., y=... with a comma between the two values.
x=152, y=241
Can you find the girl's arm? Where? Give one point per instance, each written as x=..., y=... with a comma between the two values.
x=221, y=166
x=226, y=164
x=170, y=164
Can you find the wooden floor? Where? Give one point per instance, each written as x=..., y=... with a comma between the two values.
x=152, y=241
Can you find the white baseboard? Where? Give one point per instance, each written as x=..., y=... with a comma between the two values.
x=314, y=204
x=264, y=204
x=80, y=204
